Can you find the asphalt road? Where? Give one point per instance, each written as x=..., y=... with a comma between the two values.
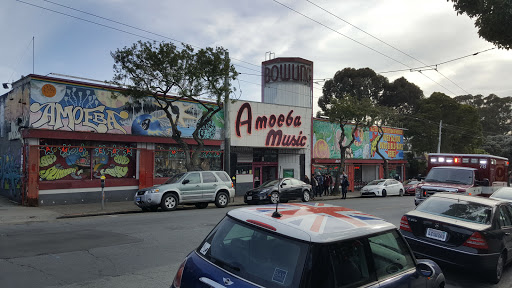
x=143, y=249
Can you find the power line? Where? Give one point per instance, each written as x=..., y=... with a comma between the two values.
x=19, y=61
x=319, y=23
x=382, y=41
x=117, y=22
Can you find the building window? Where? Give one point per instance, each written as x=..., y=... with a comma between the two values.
x=85, y=160
x=170, y=160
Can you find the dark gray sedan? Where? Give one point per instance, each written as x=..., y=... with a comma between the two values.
x=470, y=232
x=279, y=190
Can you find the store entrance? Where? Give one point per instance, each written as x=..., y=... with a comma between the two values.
x=263, y=173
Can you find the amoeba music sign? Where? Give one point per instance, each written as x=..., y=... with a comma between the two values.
x=269, y=125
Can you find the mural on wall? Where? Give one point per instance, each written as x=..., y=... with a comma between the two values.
x=326, y=136
x=79, y=108
x=10, y=169
x=69, y=162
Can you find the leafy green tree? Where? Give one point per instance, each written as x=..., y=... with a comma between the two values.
x=499, y=145
x=493, y=18
x=151, y=69
x=495, y=112
x=401, y=95
x=348, y=110
x=359, y=83
x=461, y=131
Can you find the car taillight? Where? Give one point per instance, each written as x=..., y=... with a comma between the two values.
x=424, y=193
x=476, y=241
x=404, y=224
x=179, y=274
x=232, y=185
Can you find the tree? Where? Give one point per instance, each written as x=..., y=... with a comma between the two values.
x=385, y=116
x=461, y=131
x=495, y=112
x=359, y=83
x=151, y=69
x=499, y=145
x=493, y=18
x=401, y=95
x=348, y=110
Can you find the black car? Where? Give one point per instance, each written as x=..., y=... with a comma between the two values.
x=471, y=232
x=281, y=190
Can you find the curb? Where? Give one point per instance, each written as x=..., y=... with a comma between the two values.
x=92, y=214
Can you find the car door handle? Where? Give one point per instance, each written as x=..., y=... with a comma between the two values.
x=210, y=282
x=507, y=233
x=214, y=185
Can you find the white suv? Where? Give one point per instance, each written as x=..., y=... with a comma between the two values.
x=191, y=188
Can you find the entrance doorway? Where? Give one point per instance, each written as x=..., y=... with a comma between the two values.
x=263, y=173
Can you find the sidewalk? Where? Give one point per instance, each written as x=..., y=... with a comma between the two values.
x=12, y=213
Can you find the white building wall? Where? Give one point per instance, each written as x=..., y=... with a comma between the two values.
x=289, y=161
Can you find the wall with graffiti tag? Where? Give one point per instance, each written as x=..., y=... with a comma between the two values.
x=326, y=136
x=62, y=106
x=11, y=118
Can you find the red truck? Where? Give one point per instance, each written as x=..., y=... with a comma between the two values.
x=471, y=174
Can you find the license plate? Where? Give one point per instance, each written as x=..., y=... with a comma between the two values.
x=249, y=197
x=138, y=199
x=436, y=234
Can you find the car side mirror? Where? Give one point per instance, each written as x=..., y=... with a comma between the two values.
x=424, y=269
x=185, y=181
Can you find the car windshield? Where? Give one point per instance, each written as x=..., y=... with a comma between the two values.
x=270, y=183
x=457, y=209
x=454, y=176
x=174, y=178
x=503, y=193
x=255, y=254
x=377, y=182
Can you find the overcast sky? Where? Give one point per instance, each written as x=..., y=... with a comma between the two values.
x=428, y=30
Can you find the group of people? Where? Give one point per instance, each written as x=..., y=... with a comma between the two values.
x=324, y=184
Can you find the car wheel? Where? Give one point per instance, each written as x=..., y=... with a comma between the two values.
x=401, y=193
x=274, y=197
x=497, y=272
x=221, y=200
x=169, y=202
x=384, y=193
x=201, y=205
x=306, y=197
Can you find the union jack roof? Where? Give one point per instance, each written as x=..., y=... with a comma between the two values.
x=315, y=222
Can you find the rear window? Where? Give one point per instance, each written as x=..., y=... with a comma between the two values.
x=223, y=176
x=254, y=254
x=503, y=193
x=457, y=209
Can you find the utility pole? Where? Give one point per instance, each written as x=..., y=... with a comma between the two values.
x=227, y=139
x=439, y=142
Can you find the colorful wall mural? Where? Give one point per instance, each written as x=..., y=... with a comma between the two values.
x=67, y=107
x=326, y=136
x=80, y=161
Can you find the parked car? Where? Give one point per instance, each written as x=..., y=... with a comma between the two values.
x=503, y=193
x=473, y=233
x=383, y=187
x=410, y=186
x=309, y=245
x=281, y=190
x=191, y=188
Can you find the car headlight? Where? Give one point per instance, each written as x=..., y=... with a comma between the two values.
x=156, y=190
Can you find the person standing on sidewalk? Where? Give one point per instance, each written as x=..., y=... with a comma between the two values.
x=314, y=185
x=319, y=184
x=344, y=186
x=327, y=184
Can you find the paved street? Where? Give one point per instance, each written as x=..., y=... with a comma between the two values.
x=141, y=249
